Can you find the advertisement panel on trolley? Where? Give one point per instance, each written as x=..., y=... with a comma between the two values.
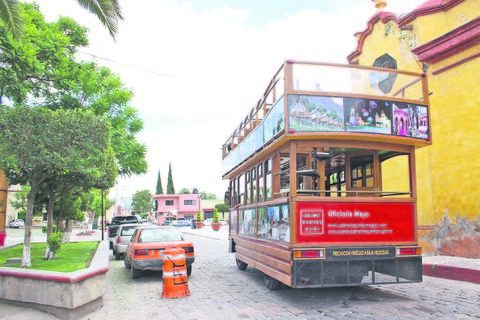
x=355, y=222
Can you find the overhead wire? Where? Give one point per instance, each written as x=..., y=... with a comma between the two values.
x=129, y=65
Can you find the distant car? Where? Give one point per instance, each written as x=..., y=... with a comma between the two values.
x=115, y=224
x=146, y=246
x=208, y=222
x=183, y=223
x=120, y=241
x=16, y=223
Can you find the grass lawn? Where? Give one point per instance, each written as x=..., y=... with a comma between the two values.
x=72, y=256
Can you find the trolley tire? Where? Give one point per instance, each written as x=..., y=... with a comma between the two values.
x=241, y=265
x=271, y=283
x=189, y=271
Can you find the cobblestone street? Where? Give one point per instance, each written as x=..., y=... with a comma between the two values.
x=220, y=291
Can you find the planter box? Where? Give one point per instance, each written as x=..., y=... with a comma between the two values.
x=67, y=295
x=216, y=226
x=198, y=225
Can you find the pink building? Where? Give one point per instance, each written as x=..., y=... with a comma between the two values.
x=182, y=206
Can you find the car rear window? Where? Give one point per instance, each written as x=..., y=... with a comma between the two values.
x=128, y=231
x=159, y=235
x=123, y=219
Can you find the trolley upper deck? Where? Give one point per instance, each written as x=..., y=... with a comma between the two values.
x=308, y=100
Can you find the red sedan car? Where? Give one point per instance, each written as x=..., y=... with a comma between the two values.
x=145, y=249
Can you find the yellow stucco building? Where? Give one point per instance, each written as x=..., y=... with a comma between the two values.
x=442, y=39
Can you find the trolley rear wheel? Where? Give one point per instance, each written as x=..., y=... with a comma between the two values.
x=241, y=265
x=271, y=283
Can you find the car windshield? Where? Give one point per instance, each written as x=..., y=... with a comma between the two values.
x=159, y=235
x=128, y=231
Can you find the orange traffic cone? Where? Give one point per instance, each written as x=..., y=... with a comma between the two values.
x=175, y=277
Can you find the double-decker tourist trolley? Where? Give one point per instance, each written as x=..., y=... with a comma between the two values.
x=321, y=175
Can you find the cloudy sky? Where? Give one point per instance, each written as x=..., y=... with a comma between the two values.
x=198, y=66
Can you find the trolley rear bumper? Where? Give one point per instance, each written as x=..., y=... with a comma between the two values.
x=354, y=270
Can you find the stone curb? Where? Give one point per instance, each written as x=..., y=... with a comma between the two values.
x=451, y=272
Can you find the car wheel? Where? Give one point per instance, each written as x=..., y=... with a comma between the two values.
x=189, y=271
x=127, y=264
x=134, y=272
x=241, y=265
x=271, y=283
x=118, y=256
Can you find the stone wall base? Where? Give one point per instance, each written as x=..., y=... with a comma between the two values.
x=68, y=295
x=61, y=313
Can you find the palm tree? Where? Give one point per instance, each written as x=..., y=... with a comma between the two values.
x=10, y=17
x=107, y=11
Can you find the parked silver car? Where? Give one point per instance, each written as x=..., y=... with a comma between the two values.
x=17, y=223
x=122, y=238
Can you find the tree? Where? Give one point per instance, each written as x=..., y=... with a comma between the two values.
x=29, y=66
x=216, y=218
x=222, y=207
x=170, y=187
x=67, y=207
x=142, y=201
x=41, y=66
x=95, y=207
x=100, y=90
x=207, y=196
x=72, y=185
x=87, y=205
x=159, y=189
x=184, y=191
x=38, y=143
x=107, y=11
x=20, y=201
x=199, y=216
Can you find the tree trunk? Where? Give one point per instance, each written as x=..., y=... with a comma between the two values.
x=47, y=253
x=67, y=231
x=26, y=259
x=51, y=203
x=91, y=216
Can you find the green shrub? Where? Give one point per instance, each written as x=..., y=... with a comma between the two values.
x=21, y=214
x=199, y=216
x=215, y=216
x=44, y=229
x=55, y=242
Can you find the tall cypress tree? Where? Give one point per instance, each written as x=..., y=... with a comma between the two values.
x=159, y=189
x=170, y=187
